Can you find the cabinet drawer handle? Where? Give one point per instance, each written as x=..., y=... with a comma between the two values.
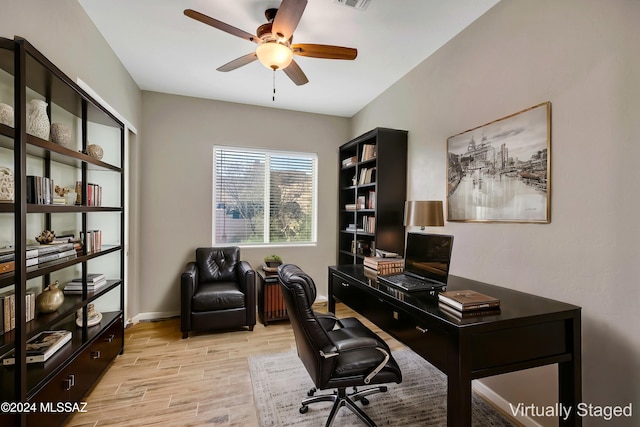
x=110, y=338
x=423, y=330
x=69, y=382
x=96, y=354
x=346, y=285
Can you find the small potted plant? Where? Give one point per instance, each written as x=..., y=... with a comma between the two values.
x=272, y=260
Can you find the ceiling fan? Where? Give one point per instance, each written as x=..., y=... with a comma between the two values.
x=274, y=39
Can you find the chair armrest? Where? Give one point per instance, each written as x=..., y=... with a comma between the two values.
x=188, y=284
x=356, y=343
x=189, y=280
x=247, y=281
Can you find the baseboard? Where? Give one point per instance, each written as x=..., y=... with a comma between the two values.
x=502, y=404
x=151, y=316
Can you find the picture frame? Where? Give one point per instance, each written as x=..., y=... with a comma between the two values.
x=501, y=171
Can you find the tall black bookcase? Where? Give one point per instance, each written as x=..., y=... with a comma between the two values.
x=36, y=388
x=372, y=192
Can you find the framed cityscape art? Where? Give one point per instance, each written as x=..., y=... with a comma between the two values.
x=501, y=171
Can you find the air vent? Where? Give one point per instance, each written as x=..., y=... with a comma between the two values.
x=356, y=4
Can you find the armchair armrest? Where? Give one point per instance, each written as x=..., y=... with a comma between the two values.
x=188, y=284
x=247, y=281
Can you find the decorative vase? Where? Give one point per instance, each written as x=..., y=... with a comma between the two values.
x=70, y=198
x=93, y=317
x=6, y=185
x=95, y=151
x=61, y=134
x=50, y=299
x=6, y=114
x=37, y=120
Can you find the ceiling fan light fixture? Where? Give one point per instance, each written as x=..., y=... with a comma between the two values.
x=274, y=55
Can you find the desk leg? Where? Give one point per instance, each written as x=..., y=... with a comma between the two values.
x=570, y=375
x=458, y=402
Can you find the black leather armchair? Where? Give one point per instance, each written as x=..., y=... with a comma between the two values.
x=217, y=291
x=337, y=353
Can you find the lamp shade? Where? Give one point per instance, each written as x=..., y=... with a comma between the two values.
x=274, y=55
x=424, y=213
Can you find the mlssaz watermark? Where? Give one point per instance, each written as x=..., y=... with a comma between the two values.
x=42, y=407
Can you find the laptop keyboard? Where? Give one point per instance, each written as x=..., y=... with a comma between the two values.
x=409, y=283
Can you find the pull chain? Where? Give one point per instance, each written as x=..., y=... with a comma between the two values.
x=273, y=97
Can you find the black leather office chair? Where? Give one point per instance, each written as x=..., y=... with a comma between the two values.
x=337, y=353
x=217, y=291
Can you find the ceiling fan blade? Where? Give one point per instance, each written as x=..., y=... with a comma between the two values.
x=221, y=25
x=296, y=74
x=238, y=62
x=287, y=18
x=324, y=51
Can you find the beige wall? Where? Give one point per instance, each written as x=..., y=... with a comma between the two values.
x=176, y=181
x=583, y=56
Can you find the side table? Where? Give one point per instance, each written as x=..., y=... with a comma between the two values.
x=271, y=305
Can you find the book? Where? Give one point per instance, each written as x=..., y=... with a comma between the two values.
x=459, y=315
x=76, y=287
x=383, y=266
x=467, y=300
x=41, y=347
x=91, y=277
x=6, y=267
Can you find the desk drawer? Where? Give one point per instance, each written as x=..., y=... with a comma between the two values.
x=365, y=303
x=428, y=341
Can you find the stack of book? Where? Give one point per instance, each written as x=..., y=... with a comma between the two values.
x=95, y=282
x=349, y=161
x=383, y=266
x=468, y=303
x=37, y=254
x=41, y=254
x=368, y=152
x=94, y=240
x=41, y=347
x=39, y=190
x=8, y=310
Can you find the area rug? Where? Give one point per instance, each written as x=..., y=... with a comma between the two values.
x=280, y=382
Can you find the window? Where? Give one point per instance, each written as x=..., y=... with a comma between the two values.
x=263, y=197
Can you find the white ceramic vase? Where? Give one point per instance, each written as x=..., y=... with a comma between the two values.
x=6, y=114
x=61, y=134
x=37, y=120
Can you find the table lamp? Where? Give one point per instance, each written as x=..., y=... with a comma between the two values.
x=423, y=213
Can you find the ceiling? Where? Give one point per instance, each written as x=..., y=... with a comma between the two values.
x=165, y=51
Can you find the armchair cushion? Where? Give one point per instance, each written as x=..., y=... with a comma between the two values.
x=217, y=264
x=217, y=296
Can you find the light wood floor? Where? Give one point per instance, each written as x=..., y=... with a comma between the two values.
x=163, y=380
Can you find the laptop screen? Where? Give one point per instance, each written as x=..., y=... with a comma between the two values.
x=428, y=256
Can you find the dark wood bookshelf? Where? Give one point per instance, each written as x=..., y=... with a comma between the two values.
x=71, y=372
x=389, y=186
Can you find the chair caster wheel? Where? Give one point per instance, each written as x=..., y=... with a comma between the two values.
x=383, y=388
x=312, y=392
x=304, y=409
x=364, y=400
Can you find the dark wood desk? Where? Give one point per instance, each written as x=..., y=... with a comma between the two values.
x=529, y=331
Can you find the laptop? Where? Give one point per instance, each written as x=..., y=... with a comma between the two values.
x=426, y=265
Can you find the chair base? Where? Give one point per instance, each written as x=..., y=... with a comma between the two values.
x=340, y=399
